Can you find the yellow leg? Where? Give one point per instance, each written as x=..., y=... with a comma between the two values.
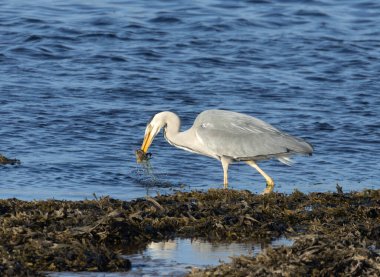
x=225, y=164
x=270, y=184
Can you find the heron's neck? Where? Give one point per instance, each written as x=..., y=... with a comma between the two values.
x=172, y=129
x=184, y=140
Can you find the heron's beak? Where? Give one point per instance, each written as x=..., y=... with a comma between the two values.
x=148, y=138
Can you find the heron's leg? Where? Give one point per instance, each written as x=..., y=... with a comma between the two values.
x=270, y=183
x=225, y=164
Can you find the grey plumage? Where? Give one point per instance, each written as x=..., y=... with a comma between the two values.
x=243, y=137
x=229, y=137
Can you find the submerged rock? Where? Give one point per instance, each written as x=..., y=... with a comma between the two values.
x=90, y=235
x=4, y=160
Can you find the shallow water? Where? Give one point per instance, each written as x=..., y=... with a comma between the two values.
x=80, y=79
x=177, y=257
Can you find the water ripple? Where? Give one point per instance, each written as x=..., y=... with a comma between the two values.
x=80, y=80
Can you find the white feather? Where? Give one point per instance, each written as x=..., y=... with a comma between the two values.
x=286, y=160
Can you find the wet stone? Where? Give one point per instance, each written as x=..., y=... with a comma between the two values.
x=334, y=233
x=4, y=161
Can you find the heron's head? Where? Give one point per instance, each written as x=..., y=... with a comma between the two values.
x=152, y=129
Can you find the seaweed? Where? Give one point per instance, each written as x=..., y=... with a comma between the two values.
x=141, y=156
x=335, y=233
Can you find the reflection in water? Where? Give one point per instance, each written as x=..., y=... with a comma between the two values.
x=176, y=257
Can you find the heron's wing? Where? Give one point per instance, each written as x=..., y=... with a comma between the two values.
x=243, y=137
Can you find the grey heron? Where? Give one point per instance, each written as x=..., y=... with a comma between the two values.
x=228, y=137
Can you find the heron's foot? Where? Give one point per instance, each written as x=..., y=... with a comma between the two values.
x=225, y=185
x=269, y=188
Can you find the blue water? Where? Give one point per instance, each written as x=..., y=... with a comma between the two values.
x=80, y=79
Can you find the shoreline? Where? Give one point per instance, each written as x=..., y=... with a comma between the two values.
x=334, y=233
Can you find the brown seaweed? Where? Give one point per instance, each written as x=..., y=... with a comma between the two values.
x=328, y=228
x=141, y=156
x=314, y=255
